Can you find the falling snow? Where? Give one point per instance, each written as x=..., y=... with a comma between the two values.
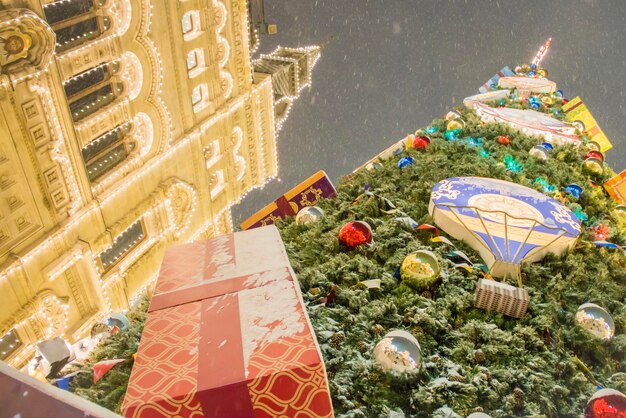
x=394, y=65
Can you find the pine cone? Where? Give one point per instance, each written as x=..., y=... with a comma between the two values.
x=518, y=395
x=378, y=330
x=457, y=378
x=479, y=356
x=374, y=376
x=348, y=321
x=337, y=339
x=417, y=331
x=485, y=371
x=362, y=346
x=478, y=409
x=426, y=294
x=436, y=358
x=408, y=317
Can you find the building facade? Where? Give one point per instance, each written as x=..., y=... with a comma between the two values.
x=127, y=126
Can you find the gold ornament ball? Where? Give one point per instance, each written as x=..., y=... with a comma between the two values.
x=547, y=100
x=420, y=269
x=594, y=165
x=309, y=215
x=593, y=146
x=455, y=124
x=542, y=72
x=398, y=351
x=596, y=320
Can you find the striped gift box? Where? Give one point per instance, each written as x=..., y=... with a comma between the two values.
x=575, y=110
x=616, y=187
x=501, y=297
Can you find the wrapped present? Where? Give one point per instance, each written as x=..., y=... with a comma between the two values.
x=575, y=110
x=307, y=193
x=525, y=86
x=227, y=335
x=530, y=122
x=486, y=97
x=24, y=396
x=506, y=71
x=501, y=297
x=616, y=187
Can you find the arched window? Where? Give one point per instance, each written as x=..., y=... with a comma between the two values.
x=191, y=24
x=195, y=62
x=88, y=79
x=76, y=22
x=94, y=100
x=68, y=9
x=212, y=153
x=122, y=245
x=107, y=151
x=216, y=184
x=200, y=97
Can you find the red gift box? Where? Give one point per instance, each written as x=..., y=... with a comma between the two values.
x=227, y=335
x=307, y=193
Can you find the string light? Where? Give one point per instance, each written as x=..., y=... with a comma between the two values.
x=127, y=256
x=542, y=52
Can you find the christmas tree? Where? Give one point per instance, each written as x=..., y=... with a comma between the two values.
x=542, y=364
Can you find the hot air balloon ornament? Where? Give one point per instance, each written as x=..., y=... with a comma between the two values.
x=508, y=224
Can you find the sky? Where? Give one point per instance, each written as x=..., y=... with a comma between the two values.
x=395, y=65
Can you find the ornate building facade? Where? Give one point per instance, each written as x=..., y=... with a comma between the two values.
x=127, y=126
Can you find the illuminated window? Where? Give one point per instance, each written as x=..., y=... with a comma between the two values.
x=195, y=62
x=217, y=183
x=191, y=24
x=63, y=10
x=69, y=37
x=9, y=343
x=107, y=151
x=95, y=100
x=86, y=80
x=122, y=245
x=200, y=97
x=212, y=153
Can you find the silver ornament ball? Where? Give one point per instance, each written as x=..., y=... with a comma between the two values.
x=398, y=351
x=309, y=215
x=596, y=320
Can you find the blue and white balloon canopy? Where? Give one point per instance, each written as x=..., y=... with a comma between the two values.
x=507, y=223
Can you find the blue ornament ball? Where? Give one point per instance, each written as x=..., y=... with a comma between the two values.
x=574, y=189
x=405, y=162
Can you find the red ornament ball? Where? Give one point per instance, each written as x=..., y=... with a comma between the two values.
x=606, y=403
x=355, y=233
x=421, y=142
x=594, y=154
x=564, y=102
x=504, y=140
